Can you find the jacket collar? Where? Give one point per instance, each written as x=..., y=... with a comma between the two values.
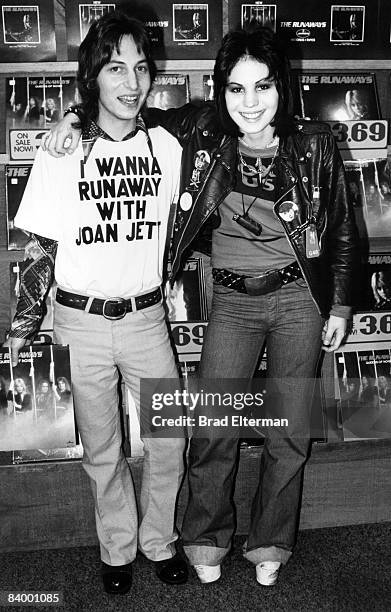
x=93, y=131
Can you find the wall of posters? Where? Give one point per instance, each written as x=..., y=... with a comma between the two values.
x=330, y=96
x=27, y=31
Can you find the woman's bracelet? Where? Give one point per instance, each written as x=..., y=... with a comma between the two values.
x=76, y=110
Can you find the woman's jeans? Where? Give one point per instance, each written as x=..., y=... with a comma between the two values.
x=289, y=322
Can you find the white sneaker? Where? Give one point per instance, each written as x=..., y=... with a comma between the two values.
x=267, y=572
x=208, y=573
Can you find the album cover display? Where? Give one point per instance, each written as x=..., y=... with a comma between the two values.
x=175, y=29
x=313, y=30
x=364, y=386
x=16, y=180
x=375, y=284
x=38, y=101
x=369, y=187
x=186, y=299
x=36, y=399
x=248, y=15
x=27, y=31
x=78, y=17
x=330, y=96
x=169, y=91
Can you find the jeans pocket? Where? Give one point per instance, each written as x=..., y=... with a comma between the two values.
x=64, y=316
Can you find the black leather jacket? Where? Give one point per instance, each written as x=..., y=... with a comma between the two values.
x=309, y=173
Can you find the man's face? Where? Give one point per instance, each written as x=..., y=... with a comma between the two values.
x=123, y=87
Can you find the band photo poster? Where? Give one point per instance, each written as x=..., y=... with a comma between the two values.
x=374, y=293
x=27, y=31
x=343, y=96
x=169, y=90
x=36, y=399
x=186, y=30
x=364, y=392
x=38, y=101
x=78, y=17
x=369, y=186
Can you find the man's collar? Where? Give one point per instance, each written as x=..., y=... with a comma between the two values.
x=93, y=131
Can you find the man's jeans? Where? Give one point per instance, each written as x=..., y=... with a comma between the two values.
x=239, y=325
x=138, y=346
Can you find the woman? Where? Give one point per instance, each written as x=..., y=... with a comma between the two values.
x=284, y=246
x=45, y=400
x=356, y=106
x=63, y=393
x=19, y=400
x=49, y=113
x=32, y=114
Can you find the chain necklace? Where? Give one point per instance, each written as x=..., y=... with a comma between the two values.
x=259, y=169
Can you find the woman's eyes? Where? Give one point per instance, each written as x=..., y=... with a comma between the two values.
x=260, y=87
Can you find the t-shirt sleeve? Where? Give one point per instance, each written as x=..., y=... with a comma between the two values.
x=39, y=211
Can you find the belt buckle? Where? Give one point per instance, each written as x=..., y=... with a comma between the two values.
x=116, y=302
x=265, y=283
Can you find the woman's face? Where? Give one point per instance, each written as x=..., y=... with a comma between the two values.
x=358, y=109
x=251, y=98
x=19, y=387
x=61, y=385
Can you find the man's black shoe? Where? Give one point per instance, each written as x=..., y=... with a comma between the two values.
x=117, y=579
x=173, y=570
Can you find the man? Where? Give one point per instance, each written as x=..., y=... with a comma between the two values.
x=98, y=220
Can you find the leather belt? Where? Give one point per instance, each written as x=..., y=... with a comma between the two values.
x=257, y=285
x=113, y=308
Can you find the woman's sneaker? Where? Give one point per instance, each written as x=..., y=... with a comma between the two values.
x=267, y=572
x=208, y=573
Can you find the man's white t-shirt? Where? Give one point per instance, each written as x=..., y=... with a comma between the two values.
x=108, y=215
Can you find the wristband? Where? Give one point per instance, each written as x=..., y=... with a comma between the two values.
x=76, y=110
